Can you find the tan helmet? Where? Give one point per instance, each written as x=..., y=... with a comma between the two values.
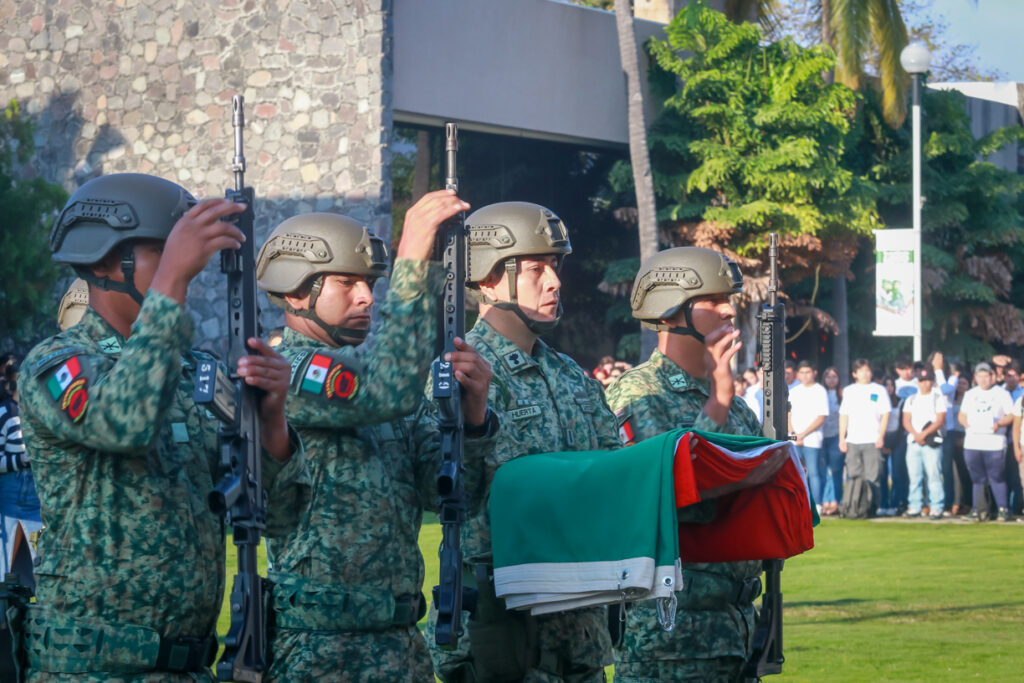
x=307, y=247
x=500, y=233
x=672, y=278
x=73, y=304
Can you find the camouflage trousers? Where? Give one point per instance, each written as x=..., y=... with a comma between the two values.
x=397, y=655
x=152, y=677
x=568, y=647
x=704, y=645
x=723, y=670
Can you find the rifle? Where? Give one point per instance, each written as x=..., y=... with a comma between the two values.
x=448, y=595
x=766, y=657
x=239, y=496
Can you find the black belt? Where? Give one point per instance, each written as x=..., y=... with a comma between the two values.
x=186, y=654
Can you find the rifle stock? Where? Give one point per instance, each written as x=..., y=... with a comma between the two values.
x=766, y=656
x=448, y=594
x=239, y=496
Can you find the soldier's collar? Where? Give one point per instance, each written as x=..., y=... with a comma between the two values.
x=511, y=356
x=675, y=377
x=290, y=337
x=102, y=333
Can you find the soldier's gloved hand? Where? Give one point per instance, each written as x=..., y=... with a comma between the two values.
x=266, y=369
x=196, y=237
x=474, y=373
x=422, y=221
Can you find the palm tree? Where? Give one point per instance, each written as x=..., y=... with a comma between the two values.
x=647, y=220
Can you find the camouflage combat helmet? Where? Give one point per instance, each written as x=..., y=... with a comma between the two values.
x=106, y=213
x=500, y=233
x=307, y=247
x=73, y=304
x=670, y=280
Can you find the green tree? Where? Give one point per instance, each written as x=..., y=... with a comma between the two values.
x=752, y=142
x=973, y=229
x=28, y=206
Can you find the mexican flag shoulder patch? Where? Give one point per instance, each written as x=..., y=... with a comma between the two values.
x=316, y=374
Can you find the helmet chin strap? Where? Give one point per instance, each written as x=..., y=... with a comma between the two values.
x=336, y=333
x=538, y=327
x=689, y=330
x=127, y=268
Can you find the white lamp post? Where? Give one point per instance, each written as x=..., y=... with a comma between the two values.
x=915, y=59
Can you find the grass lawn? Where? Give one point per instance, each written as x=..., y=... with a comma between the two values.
x=886, y=601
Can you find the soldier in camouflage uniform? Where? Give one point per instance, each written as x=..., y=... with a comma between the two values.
x=348, y=582
x=545, y=403
x=684, y=294
x=132, y=569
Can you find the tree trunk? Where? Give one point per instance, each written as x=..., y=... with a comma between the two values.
x=841, y=347
x=647, y=221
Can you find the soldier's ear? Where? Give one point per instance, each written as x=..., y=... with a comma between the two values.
x=299, y=303
x=109, y=266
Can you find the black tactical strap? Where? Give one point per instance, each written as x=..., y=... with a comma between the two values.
x=186, y=654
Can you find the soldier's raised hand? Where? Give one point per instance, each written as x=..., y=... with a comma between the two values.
x=720, y=346
x=193, y=240
x=422, y=221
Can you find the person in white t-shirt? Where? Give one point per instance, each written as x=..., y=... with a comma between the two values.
x=808, y=408
x=863, y=417
x=924, y=414
x=985, y=413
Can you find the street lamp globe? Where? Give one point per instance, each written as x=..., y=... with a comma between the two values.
x=915, y=58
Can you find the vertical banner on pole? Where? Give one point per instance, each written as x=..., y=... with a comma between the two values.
x=895, y=296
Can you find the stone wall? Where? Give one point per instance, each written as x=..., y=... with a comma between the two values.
x=146, y=86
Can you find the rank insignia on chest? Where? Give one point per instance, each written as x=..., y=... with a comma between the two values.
x=316, y=374
x=514, y=360
x=110, y=345
x=341, y=382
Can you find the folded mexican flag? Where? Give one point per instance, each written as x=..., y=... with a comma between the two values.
x=587, y=528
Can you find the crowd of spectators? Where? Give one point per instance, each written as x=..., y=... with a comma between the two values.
x=928, y=439
x=931, y=439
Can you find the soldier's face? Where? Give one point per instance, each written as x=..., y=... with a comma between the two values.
x=345, y=301
x=711, y=312
x=538, y=287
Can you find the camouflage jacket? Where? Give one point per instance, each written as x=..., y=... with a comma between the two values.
x=123, y=461
x=648, y=400
x=373, y=473
x=371, y=479
x=545, y=404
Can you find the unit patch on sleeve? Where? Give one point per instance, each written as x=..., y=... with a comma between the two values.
x=316, y=374
x=341, y=382
x=75, y=399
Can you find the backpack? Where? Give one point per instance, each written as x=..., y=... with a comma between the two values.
x=858, y=499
